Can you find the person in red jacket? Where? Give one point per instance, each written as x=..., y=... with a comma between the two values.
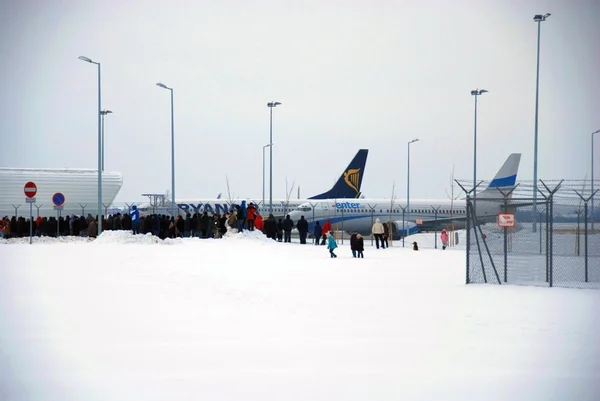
x=259, y=224
x=251, y=215
x=325, y=229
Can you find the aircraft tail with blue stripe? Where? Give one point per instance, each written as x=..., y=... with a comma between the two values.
x=505, y=179
x=349, y=183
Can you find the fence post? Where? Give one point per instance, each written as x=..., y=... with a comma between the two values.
x=30, y=223
x=505, y=230
x=550, y=255
x=372, y=215
x=585, y=208
x=16, y=208
x=506, y=245
x=435, y=224
x=551, y=240
x=342, y=226
x=404, y=232
x=468, y=236
x=577, y=232
x=82, y=209
x=38, y=209
x=547, y=202
x=548, y=217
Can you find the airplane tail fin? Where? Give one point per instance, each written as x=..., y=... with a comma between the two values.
x=348, y=185
x=505, y=179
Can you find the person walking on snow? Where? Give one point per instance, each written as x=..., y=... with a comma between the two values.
x=331, y=245
x=444, y=238
x=359, y=246
x=353, y=243
x=317, y=232
x=378, y=231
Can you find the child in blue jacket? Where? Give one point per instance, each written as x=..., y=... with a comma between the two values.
x=331, y=244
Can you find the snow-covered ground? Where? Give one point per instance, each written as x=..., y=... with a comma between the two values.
x=244, y=318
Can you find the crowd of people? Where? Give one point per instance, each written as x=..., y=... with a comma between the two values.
x=197, y=225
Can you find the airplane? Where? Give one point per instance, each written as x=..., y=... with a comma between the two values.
x=347, y=187
x=359, y=215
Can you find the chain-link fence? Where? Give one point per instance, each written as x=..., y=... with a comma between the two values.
x=550, y=243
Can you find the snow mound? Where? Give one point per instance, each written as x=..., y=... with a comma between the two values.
x=127, y=237
x=255, y=235
x=47, y=240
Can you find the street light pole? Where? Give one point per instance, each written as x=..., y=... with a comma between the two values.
x=270, y=105
x=475, y=93
x=537, y=18
x=266, y=146
x=408, y=187
x=103, y=112
x=88, y=60
x=172, y=151
x=592, y=192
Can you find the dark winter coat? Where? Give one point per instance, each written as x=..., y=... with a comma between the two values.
x=302, y=225
x=288, y=224
x=360, y=244
x=318, y=231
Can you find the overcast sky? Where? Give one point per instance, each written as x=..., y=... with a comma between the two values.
x=350, y=75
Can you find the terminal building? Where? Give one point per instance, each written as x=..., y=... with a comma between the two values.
x=79, y=187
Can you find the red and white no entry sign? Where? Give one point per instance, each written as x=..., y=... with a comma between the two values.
x=30, y=189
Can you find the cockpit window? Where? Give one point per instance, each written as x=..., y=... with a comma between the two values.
x=304, y=208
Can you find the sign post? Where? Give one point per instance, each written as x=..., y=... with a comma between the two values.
x=59, y=200
x=30, y=191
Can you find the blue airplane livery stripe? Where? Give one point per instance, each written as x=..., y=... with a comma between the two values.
x=503, y=182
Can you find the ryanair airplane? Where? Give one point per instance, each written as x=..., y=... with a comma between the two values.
x=347, y=187
x=359, y=215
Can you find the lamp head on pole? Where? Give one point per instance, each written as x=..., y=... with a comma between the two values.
x=478, y=92
x=273, y=104
x=105, y=112
x=540, y=18
x=163, y=86
x=414, y=140
x=597, y=132
x=87, y=59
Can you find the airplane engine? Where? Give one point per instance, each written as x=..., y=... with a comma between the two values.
x=402, y=228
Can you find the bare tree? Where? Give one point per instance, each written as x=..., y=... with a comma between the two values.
x=230, y=196
x=452, y=199
x=392, y=200
x=288, y=195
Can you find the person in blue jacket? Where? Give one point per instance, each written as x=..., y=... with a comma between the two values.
x=331, y=245
x=241, y=217
x=135, y=220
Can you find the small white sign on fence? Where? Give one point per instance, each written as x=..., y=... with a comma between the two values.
x=506, y=220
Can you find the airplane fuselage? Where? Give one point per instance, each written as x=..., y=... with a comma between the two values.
x=359, y=215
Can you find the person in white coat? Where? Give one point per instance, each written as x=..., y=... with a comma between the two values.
x=378, y=231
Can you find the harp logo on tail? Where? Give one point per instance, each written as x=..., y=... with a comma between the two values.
x=352, y=177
